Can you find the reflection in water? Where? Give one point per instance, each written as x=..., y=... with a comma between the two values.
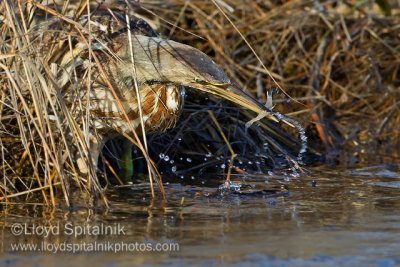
x=328, y=218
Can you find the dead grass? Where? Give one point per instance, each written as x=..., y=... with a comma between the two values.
x=339, y=65
x=45, y=138
x=339, y=61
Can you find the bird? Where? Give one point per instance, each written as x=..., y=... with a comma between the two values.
x=133, y=59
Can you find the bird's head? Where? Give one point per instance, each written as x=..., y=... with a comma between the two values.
x=158, y=60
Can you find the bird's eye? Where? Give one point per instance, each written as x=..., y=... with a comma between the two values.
x=210, y=83
x=197, y=80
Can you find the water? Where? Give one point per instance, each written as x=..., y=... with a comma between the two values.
x=301, y=131
x=331, y=217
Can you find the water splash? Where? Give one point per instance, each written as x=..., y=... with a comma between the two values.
x=300, y=130
x=280, y=117
x=227, y=186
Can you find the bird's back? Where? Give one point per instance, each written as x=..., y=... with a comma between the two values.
x=64, y=45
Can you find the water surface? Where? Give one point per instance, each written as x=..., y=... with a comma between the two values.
x=332, y=216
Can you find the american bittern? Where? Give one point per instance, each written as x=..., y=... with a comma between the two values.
x=132, y=55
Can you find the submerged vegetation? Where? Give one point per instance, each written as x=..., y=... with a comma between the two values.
x=332, y=66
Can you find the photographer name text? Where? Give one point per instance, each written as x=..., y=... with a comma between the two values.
x=69, y=229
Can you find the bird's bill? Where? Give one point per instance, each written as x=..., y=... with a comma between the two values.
x=234, y=94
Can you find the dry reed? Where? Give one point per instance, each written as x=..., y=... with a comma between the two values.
x=338, y=59
x=339, y=63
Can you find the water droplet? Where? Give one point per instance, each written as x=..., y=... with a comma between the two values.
x=166, y=158
x=173, y=168
x=192, y=177
x=209, y=155
x=189, y=160
x=301, y=131
x=182, y=177
x=294, y=173
x=265, y=146
x=172, y=161
x=161, y=155
x=229, y=186
x=223, y=166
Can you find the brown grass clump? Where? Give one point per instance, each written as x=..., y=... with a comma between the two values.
x=336, y=67
x=339, y=60
x=38, y=129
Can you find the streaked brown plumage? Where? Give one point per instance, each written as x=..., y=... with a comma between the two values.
x=162, y=69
